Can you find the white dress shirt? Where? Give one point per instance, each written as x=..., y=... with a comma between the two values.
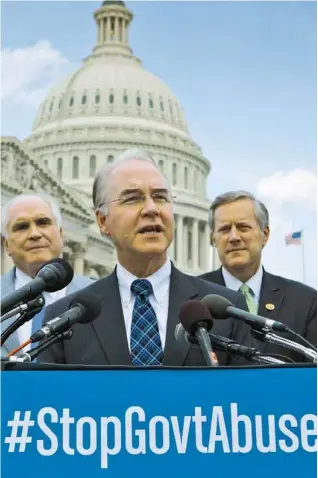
x=254, y=283
x=159, y=300
x=21, y=279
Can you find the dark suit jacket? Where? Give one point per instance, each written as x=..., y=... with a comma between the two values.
x=295, y=305
x=104, y=341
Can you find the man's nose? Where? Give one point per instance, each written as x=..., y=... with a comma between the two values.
x=234, y=235
x=149, y=206
x=35, y=232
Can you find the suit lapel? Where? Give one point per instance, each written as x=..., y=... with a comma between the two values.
x=218, y=277
x=110, y=325
x=181, y=290
x=270, y=302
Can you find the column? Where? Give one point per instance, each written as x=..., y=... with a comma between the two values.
x=121, y=30
x=107, y=27
x=125, y=31
x=78, y=259
x=102, y=31
x=171, y=247
x=185, y=242
x=116, y=29
x=99, y=32
x=179, y=240
x=195, y=244
x=206, y=262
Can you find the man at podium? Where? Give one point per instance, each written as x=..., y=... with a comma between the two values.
x=140, y=300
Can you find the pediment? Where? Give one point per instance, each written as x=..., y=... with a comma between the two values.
x=21, y=173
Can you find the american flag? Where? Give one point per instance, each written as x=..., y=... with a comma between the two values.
x=293, y=238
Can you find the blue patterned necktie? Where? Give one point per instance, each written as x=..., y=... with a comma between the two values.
x=37, y=324
x=145, y=343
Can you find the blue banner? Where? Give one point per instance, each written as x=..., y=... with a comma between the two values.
x=251, y=422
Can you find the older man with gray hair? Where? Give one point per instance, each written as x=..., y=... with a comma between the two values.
x=31, y=226
x=141, y=298
x=239, y=231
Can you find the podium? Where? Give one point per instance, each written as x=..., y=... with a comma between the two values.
x=118, y=422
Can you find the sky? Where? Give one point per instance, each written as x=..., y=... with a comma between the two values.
x=244, y=73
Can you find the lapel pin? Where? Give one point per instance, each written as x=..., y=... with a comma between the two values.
x=270, y=306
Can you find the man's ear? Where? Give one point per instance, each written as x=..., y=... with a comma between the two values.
x=5, y=242
x=266, y=234
x=212, y=240
x=102, y=221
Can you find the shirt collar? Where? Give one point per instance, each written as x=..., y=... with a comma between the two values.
x=255, y=282
x=160, y=281
x=21, y=277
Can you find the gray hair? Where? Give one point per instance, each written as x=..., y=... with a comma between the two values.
x=261, y=212
x=102, y=178
x=56, y=213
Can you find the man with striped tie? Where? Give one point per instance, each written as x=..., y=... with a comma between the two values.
x=239, y=226
x=141, y=298
x=32, y=233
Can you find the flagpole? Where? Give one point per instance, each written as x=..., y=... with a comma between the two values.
x=303, y=254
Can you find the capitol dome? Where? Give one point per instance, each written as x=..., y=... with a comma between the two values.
x=113, y=103
x=113, y=87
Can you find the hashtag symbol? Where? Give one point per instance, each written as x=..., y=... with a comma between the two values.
x=17, y=426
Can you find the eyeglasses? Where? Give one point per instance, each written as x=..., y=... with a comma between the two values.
x=137, y=199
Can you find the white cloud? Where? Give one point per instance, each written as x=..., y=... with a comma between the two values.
x=290, y=198
x=294, y=187
x=28, y=73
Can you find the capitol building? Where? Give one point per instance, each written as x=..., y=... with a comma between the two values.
x=110, y=104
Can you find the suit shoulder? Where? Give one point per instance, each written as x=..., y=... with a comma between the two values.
x=209, y=276
x=89, y=286
x=291, y=286
x=83, y=280
x=207, y=287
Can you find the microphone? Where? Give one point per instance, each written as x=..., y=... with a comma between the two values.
x=83, y=309
x=286, y=343
x=226, y=345
x=27, y=312
x=222, y=308
x=54, y=275
x=32, y=354
x=197, y=321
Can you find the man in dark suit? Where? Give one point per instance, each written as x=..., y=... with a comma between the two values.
x=141, y=298
x=239, y=230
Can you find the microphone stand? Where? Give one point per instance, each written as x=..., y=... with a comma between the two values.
x=283, y=342
x=251, y=354
x=25, y=307
x=264, y=359
x=30, y=309
x=32, y=354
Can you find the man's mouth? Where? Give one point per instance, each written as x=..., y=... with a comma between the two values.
x=37, y=247
x=155, y=229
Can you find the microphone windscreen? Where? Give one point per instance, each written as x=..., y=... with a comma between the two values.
x=90, y=304
x=192, y=313
x=56, y=273
x=217, y=305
